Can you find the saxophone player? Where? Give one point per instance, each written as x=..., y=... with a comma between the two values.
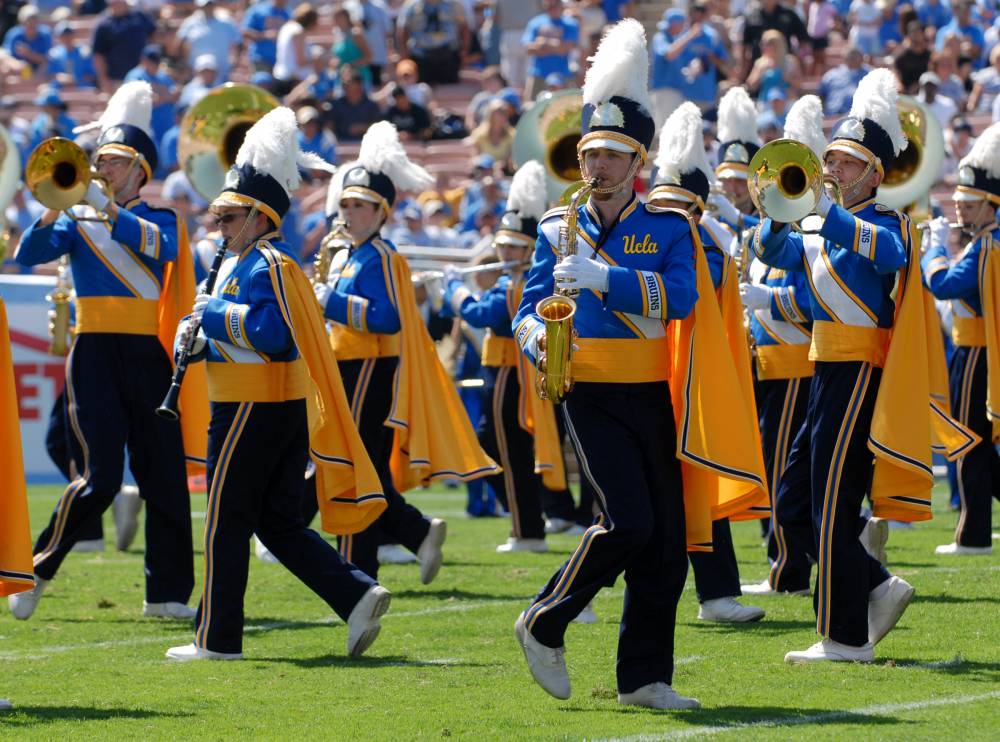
x=634, y=271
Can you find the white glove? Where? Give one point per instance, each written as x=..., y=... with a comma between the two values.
x=578, y=272
x=724, y=208
x=96, y=197
x=184, y=337
x=322, y=292
x=755, y=297
x=824, y=205
x=200, y=302
x=940, y=232
x=451, y=273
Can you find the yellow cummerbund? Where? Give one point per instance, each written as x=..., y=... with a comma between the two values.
x=969, y=331
x=498, y=351
x=126, y=315
x=833, y=341
x=257, y=382
x=349, y=344
x=783, y=362
x=621, y=361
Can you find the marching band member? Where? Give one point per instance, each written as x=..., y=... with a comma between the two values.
x=681, y=180
x=851, y=266
x=972, y=283
x=510, y=432
x=781, y=325
x=118, y=371
x=738, y=143
x=619, y=413
x=265, y=344
x=390, y=369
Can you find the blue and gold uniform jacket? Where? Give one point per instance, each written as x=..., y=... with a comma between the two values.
x=117, y=268
x=851, y=268
x=623, y=331
x=250, y=351
x=363, y=304
x=960, y=283
x=493, y=311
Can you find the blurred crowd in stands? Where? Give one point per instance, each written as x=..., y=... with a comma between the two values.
x=454, y=76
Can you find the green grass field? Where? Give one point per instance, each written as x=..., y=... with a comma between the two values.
x=87, y=666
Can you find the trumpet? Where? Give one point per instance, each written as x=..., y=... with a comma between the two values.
x=58, y=175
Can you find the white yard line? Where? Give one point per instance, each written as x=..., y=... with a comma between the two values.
x=822, y=718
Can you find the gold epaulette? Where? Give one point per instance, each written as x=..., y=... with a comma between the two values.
x=554, y=211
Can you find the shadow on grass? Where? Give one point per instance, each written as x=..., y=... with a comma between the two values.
x=958, y=666
x=455, y=594
x=957, y=599
x=29, y=716
x=764, y=627
x=742, y=716
x=371, y=663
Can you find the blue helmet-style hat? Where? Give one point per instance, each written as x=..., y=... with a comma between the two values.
x=681, y=171
x=125, y=126
x=979, y=171
x=872, y=131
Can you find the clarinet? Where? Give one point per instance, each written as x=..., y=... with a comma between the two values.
x=168, y=409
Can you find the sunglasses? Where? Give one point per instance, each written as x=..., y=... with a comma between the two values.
x=226, y=219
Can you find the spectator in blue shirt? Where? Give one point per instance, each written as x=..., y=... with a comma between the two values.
x=889, y=34
x=167, y=149
x=435, y=35
x=261, y=23
x=548, y=39
x=119, y=38
x=165, y=93
x=313, y=137
x=205, y=74
x=962, y=24
x=51, y=121
x=615, y=10
x=934, y=13
x=209, y=30
x=29, y=40
x=321, y=85
x=702, y=58
x=667, y=86
x=70, y=64
x=837, y=86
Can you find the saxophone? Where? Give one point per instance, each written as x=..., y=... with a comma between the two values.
x=336, y=239
x=59, y=314
x=554, y=379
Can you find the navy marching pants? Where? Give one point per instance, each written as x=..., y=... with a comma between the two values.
x=368, y=383
x=59, y=446
x=114, y=382
x=967, y=382
x=831, y=451
x=781, y=411
x=624, y=437
x=716, y=574
x=256, y=455
x=559, y=503
x=513, y=448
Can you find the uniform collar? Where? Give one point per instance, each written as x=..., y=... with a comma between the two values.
x=266, y=236
x=131, y=204
x=858, y=207
x=629, y=209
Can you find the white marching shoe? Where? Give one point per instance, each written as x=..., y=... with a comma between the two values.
x=189, y=652
x=764, y=588
x=828, y=650
x=125, y=511
x=547, y=665
x=22, y=605
x=954, y=549
x=395, y=554
x=657, y=696
x=885, y=610
x=263, y=553
x=364, y=623
x=575, y=530
x=874, y=536
x=89, y=545
x=557, y=525
x=170, y=609
x=587, y=615
x=514, y=544
x=5, y=705
x=429, y=554
x=728, y=610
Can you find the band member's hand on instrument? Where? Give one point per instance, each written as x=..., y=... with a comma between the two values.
x=451, y=273
x=578, y=272
x=755, y=297
x=96, y=197
x=200, y=302
x=322, y=292
x=724, y=208
x=824, y=204
x=940, y=230
x=184, y=337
